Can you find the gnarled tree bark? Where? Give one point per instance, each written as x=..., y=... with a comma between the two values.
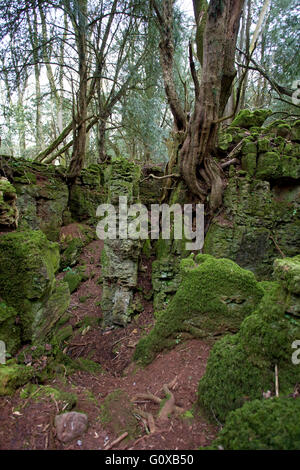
x=198, y=168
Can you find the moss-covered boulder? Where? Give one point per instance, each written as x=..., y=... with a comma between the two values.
x=215, y=295
x=270, y=424
x=241, y=367
x=9, y=213
x=28, y=263
x=13, y=376
x=247, y=118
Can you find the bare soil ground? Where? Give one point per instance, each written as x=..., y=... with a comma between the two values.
x=29, y=424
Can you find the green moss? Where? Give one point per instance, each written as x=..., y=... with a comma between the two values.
x=28, y=263
x=88, y=365
x=146, y=249
x=70, y=255
x=287, y=271
x=271, y=424
x=73, y=280
x=249, y=163
x=246, y=118
x=241, y=368
x=62, y=334
x=10, y=332
x=8, y=211
x=117, y=414
x=84, y=200
x=268, y=165
x=213, y=297
x=38, y=393
x=14, y=376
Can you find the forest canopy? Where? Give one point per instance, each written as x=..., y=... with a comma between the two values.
x=87, y=77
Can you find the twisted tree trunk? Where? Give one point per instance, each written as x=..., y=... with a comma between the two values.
x=218, y=72
x=218, y=37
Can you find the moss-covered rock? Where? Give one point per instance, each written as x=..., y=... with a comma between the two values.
x=13, y=376
x=28, y=263
x=119, y=258
x=10, y=331
x=258, y=221
x=271, y=424
x=247, y=118
x=214, y=296
x=241, y=367
x=287, y=271
x=42, y=196
x=9, y=214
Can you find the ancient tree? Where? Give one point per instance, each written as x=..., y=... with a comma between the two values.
x=217, y=30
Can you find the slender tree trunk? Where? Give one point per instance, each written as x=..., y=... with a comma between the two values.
x=101, y=129
x=79, y=131
x=33, y=32
x=247, y=51
x=21, y=121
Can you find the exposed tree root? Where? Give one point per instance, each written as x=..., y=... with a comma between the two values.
x=168, y=407
x=166, y=410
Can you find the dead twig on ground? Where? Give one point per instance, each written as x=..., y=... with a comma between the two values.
x=116, y=441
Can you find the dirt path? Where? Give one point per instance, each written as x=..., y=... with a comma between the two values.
x=28, y=424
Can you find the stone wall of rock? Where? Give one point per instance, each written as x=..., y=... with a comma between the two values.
x=261, y=216
x=120, y=256
x=31, y=300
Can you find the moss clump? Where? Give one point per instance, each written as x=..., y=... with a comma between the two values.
x=241, y=368
x=117, y=414
x=268, y=165
x=287, y=271
x=214, y=296
x=246, y=118
x=73, y=279
x=88, y=365
x=13, y=376
x=28, y=262
x=262, y=425
x=38, y=393
x=62, y=335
